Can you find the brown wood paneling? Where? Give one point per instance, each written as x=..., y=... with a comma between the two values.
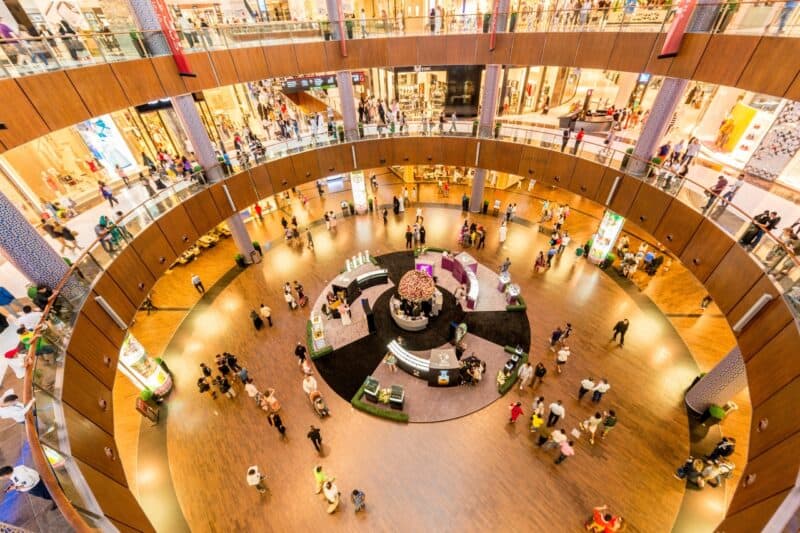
x=431, y=150
x=692, y=48
x=116, y=500
x=92, y=349
x=623, y=197
x=794, y=90
x=203, y=70
x=677, y=226
x=85, y=393
x=202, y=211
x=102, y=321
x=648, y=207
x=501, y=53
x=281, y=173
x=167, y=72
x=732, y=278
x=22, y=121
x=306, y=166
x=241, y=190
x=775, y=470
x=250, y=63
x=432, y=49
x=405, y=150
x=774, y=365
x=772, y=67
x=221, y=200
x=131, y=274
x=533, y=162
x=527, y=49
x=177, y=228
x=460, y=49
x=56, y=100
x=154, y=250
x=705, y=250
x=766, y=324
x=715, y=65
x=260, y=178
x=631, y=51
x=99, y=89
x=403, y=52
x=368, y=154
x=311, y=57
x=89, y=443
x=779, y=409
x=111, y=293
x=123, y=528
x=139, y=81
x=501, y=156
x=455, y=153
x=335, y=159
x=224, y=69
x=594, y=49
x=560, y=48
x=754, y=517
x=559, y=170
x=281, y=60
x=586, y=178
x=657, y=66
x=369, y=52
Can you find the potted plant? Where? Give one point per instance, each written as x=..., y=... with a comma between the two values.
x=239, y=258
x=352, y=208
x=655, y=162
x=257, y=248
x=474, y=128
x=485, y=206
x=340, y=132
x=360, y=130
x=626, y=158
x=369, y=201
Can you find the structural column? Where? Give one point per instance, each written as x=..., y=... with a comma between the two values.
x=189, y=116
x=720, y=384
x=344, y=82
x=333, y=18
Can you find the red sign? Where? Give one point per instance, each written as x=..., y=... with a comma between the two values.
x=342, y=34
x=493, y=35
x=173, y=40
x=672, y=43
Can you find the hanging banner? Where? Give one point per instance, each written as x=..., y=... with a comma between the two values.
x=342, y=34
x=493, y=35
x=683, y=14
x=173, y=40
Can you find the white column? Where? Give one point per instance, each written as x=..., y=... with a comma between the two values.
x=478, y=185
x=344, y=82
x=491, y=86
x=720, y=384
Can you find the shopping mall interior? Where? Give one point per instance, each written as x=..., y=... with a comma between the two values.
x=263, y=263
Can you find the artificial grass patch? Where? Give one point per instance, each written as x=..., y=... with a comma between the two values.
x=315, y=354
x=519, y=306
x=361, y=405
x=512, y=378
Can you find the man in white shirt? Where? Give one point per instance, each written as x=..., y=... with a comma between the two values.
x=331, y=492
x=525, y=375
x=600, y=389
x=587, y=384
x=29, y=318
x=557, y=412
x=266, y=313
x=562, y=357
x=25, y=479
x=256, y=479
x=198, y=284
x=556, y=438
x=309, y=384
x=11, y=407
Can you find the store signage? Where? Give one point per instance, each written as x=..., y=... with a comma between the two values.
x=672, y=43
x=327, y=81
x=148, y=411
x=173, y=40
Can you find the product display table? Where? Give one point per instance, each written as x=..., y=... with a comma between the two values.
x=512, y=293
x=503, y=280
x=462, y=263
x=444, y=368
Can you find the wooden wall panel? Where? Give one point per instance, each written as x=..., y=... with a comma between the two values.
x=88, y=79
x=241, y=190
x=659, y=67
x=501, y=53
x=631, y=51
x=460, y=49
x=754, y=517
x=775, y=470
x=250, y=63
x=623, y=197
x=560, y=49
x=88, y=443
x=773, y=66
x=732, y=278
x=455, y=153
x=794, y=90
x=105, y=287
x=533, y=162
x=131, y=274
x=715, y=64
x=594, y=49
x=65, y=110
x=281, y=173
x=402, y=53
x=167, y=72
x=404, y=150
x=281, y=60
x=586, y=178
x=224, y=69
x=648, y=207
x=139, y=81
x=312, y=57
x=774, y=365
x=122, y=527
x=527, y=49
x=779, y=411
x=558, y=171
x=677, y=226
x=260, y=178
x=500, y=156
x=767, y=323
x=115, y=500
x=177, y=228
x=102, y=320
x=705, y=250
x=221, y=200
x=306, y=166
x=334, y=160
x=432, y=49
x=94, y=351
x=692, y=48
x=431, y=150
x=203, y=69
x=22, y=121
x=84, y=393
x=367, y=154
x=154, y=250
x=202, y=212
x=369, y=52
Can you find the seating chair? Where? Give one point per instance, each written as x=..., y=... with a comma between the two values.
x=397, y=397
x=371, y=389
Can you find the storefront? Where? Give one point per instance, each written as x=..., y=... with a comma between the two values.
x=161, y=124
x=444, y=89
x=143, y=371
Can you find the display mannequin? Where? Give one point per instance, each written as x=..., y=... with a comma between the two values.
x=725, y=130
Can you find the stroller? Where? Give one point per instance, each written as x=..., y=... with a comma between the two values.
x=318, y=403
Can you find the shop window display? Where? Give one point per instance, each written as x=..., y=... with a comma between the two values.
x=143, y=371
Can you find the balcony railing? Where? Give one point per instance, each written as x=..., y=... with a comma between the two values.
x=22, y=54
x=45, y=425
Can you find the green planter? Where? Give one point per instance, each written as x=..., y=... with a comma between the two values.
x=512, y=378
x=626, y=158
x=388, y=413
x=240, y=262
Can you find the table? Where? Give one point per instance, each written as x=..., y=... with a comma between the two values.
x=444, y=368
x=503, y=280
x=354, y=281
x=472, y=289
x=416, y=366
x=462, y=263
x=512, y=293
x=408, y=323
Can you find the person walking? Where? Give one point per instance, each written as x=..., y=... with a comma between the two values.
x=578, y=139
x=315, y=437
x=310, y=239
x=600, y=389
x=539, y=373
x=27, y=480
x=256, y=479
x=591, y=424
x=565, y=450
x=505, y=266
x=555, y=336
x=198, y=284
x=609, y=422
x=564, y=139
x=525, y=375
x=562, y=357
x=516, y=412
x=587, y=384
x=714, y=192
x=358, y=498
x=385, y=216
x=620, y=328
x=274, y=419
x=503, y=233
x=409, y=237
x=554, y=440
x=300, y=353
x=289, y=299
x=320, y=477
x=724, y=448
x=266, y=313
x=107, y=193
x=557, y=412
